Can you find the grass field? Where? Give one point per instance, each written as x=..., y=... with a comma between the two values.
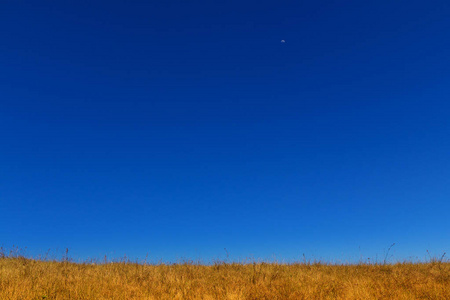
x=23, y=278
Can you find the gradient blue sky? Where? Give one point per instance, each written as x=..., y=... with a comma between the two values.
x=180, y=128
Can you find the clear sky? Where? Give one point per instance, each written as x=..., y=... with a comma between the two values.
x=180, y=128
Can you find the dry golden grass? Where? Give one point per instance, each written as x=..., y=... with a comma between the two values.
x=22, y=278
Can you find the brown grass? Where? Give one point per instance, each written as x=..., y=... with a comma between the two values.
x=22, y=278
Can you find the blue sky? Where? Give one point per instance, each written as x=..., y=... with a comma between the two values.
x=180, y=128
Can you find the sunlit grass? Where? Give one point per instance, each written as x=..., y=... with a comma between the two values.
x=24, y=278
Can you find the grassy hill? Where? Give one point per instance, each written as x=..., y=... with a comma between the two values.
x=23, y=278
